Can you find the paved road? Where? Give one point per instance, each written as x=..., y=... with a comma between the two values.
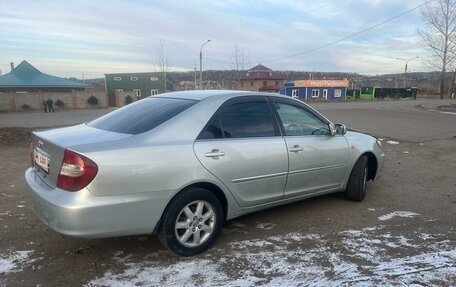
x=59, y=118
x=399, y=120
x=403, y=234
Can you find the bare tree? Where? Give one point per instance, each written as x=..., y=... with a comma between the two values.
x=161, y=61
x=238, y=60
x=439, y=35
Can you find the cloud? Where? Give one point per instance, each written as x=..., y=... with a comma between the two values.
x=109, y=36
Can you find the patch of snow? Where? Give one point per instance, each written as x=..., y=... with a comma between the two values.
x=392, y=142
x=365, y=257
x=266, y=226
x=406, y=152
x=21, y=206
x=397, y=214
x=14, y=261
x=371, y=209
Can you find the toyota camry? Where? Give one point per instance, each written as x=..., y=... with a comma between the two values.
x=180, y=164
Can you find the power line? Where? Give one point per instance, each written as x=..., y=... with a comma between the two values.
x=333, y=42
x=349, y=36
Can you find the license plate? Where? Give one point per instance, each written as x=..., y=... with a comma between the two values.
x=42, y=159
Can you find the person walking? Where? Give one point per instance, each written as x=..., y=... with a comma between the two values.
x=50, y=105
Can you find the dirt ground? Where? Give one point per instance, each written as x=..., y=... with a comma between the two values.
x=402, y=234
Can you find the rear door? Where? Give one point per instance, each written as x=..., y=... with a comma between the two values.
x=317, y=160
x=241, y=145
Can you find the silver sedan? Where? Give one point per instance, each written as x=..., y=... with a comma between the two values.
x=180, y=164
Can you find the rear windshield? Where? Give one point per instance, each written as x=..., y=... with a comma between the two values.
x=141, y=116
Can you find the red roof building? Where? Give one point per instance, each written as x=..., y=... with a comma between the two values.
x=262, y=79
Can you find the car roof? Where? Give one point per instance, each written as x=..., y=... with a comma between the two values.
x=201, y=95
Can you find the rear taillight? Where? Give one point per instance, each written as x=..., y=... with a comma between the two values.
x=77, y=171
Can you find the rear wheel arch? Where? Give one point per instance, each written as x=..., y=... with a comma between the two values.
x=204, y=185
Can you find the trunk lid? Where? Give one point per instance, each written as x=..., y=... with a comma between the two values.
x=48, y=147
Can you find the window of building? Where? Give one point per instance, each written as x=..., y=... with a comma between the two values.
x=315, y=93
x=337, y=93
x=153, y=92
x=137, y=92
x=247, y=74
x=251, y=83
x=295, y=94
x=325, y=94
x=117, y=78
x=154, y=79
x=134, y=79
x=265, y=83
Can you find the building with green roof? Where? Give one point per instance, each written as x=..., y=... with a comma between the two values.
x=26, y=78
x=142, y=85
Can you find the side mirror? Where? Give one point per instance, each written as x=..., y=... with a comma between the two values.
x=341, y=129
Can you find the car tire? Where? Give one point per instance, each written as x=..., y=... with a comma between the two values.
x=357, y=182
x=185, y=229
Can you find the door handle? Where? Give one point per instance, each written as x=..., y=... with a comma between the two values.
x=214, y=153
x=296, y=148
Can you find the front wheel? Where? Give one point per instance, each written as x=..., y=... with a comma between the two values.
x=192, y=222
x=357, y=182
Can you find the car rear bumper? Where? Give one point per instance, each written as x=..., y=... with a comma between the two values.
x=81, y=214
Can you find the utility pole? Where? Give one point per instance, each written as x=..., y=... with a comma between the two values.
x=201, y=63
x=405, y=70
x=195, y=79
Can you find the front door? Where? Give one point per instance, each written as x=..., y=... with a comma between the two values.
x=317, y=160
x=243, y=148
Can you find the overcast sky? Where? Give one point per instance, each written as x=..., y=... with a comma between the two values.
x=68, y=38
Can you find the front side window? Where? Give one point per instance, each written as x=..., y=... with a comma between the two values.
x=297, y=121
x=240, y=120
x=141, y=116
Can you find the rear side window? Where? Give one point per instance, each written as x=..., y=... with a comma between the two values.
x=142, y=115
x=240, y=120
